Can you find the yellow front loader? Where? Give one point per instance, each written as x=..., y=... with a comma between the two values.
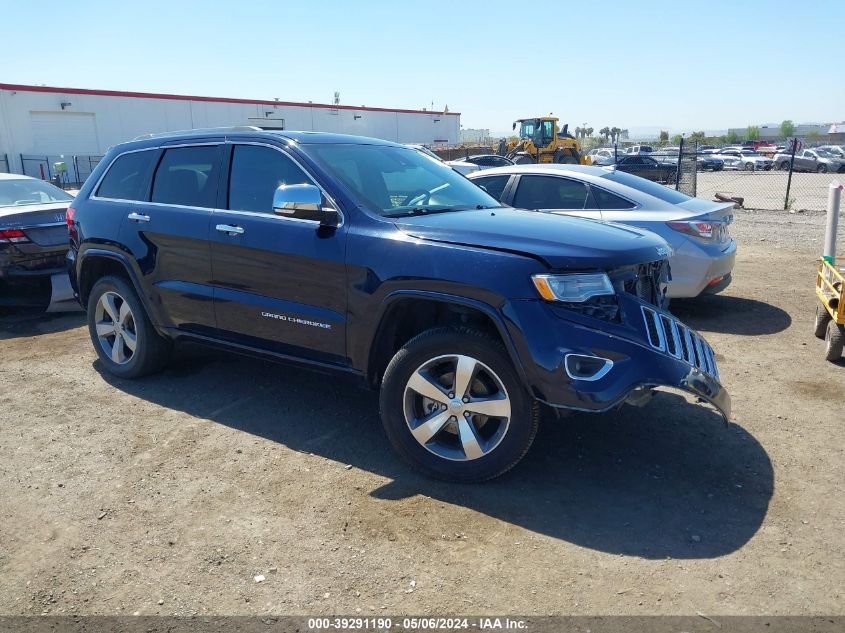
x=540, y=142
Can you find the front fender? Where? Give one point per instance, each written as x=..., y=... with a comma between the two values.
x=489, y=311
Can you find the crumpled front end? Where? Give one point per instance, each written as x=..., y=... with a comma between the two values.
x=594, y=364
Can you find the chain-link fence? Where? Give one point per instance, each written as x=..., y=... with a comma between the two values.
x=791, y=177
x=64, y=171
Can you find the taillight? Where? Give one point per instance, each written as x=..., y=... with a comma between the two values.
x=13, y=236
x=69, y=216
x=703, y=230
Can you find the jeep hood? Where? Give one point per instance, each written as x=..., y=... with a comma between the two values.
x=562, y=242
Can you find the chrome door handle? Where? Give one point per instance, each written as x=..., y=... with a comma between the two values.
x=138, y=217
x=229, y=229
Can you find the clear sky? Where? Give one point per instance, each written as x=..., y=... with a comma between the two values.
x=677, y=64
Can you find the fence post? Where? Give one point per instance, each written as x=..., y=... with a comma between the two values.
x=789, y=179
x=833, y=198
x=678, y=166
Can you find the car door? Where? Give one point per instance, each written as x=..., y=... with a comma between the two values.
x=558, y=194
x=167, y=233
x=280, y=281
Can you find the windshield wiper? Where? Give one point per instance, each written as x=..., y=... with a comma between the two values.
x=427, y=210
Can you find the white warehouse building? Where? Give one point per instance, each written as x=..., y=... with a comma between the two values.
x=41, y=125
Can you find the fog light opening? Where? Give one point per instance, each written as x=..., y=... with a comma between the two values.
x=589, y=368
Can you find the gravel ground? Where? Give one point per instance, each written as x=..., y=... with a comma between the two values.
x=173, y=494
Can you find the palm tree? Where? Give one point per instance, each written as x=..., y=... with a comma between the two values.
x=605, y=132
x=588, y=131
x=614, y=132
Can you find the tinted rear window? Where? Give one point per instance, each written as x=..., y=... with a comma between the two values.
x=647, y=186
x=127, y=176
x=607, y=200
x=187, y=176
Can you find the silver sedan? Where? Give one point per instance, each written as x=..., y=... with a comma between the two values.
x=697, y=229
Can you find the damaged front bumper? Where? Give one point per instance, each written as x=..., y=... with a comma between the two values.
x=585, y=364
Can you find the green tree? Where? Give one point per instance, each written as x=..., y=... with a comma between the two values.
x=697, y=137
x=731, y=137
x=588, y=131
x=579, y=132
x=676, y=140
x=664, y=136
x=605, y=132
x=813, y=135
x=614, y=133
x=752, y=133
x=787, y=129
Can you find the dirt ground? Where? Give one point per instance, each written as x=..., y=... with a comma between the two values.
x=171, y=494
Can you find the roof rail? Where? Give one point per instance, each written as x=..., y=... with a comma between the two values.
x=196, y=131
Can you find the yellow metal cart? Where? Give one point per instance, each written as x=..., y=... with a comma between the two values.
x=830, y=313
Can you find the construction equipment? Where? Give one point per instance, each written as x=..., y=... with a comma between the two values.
x=540, y=142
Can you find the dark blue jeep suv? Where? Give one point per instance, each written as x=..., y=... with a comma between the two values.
x=366, y=257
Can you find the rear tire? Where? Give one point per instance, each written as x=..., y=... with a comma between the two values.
x=821, y=169
x=835, y=341
x=447, y=437
x=122, y=334
x=822, y=319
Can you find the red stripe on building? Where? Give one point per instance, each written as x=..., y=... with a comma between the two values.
x=154, y=95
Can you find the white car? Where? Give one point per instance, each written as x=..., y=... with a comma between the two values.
x=460, y=167
x=602, y=155
x=482, y=161
x=746, y=159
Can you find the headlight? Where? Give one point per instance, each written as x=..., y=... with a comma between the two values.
x=572, y=288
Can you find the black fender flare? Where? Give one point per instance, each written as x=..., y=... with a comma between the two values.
x=131, y=272
x=494, y=315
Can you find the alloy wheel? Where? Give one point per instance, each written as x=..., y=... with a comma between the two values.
x=115, y=326
x=457, y=407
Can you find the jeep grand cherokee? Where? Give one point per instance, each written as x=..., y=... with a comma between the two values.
x=370, y=258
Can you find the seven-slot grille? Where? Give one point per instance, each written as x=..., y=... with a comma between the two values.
x=676, y=339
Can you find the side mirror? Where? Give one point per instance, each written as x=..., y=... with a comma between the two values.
x=513, y=127
x=304, y=202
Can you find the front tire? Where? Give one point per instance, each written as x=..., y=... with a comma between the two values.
x=523, y=159
x=121, y=331
x=822, y=319
x=822, y=169
x=453, y=406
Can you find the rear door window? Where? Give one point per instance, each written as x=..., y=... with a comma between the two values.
x=126, y=178
x=187, y=176
x=606, y=200
x=551, y=192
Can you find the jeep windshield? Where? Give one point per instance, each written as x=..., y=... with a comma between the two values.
x=400, y=181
